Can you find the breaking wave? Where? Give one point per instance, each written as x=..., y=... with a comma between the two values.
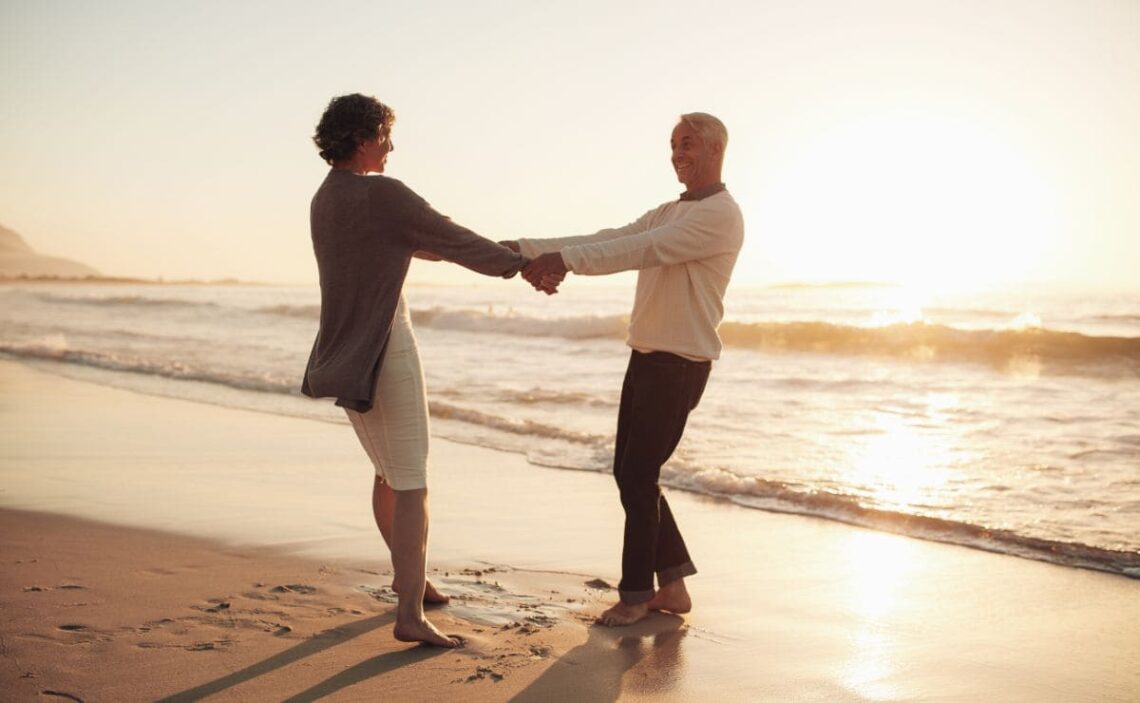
x=52, y=350
x=123, y=301
x=307, y=312
x=1053, y=350
x=1024, y=344
x=931, y=342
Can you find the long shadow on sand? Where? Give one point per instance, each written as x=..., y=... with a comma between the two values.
x=315, y=644
x=594, y=670
x=380, y=664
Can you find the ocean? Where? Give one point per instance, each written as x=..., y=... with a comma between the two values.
x=1007, y=421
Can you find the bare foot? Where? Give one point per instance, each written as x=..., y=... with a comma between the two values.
x=623, y=614
x=432, y=596
x=423, y=631
x=673, y=597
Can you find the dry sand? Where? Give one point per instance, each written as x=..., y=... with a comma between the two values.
x=97, y=612
x=159, y=548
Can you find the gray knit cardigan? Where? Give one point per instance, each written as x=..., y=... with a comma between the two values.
x=365, y=229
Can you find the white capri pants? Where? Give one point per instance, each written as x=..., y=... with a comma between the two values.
x=395, y=432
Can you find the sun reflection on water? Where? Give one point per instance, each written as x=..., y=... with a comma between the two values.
x=881, y=569
x=903, y=461
x=902, y=464
x=902, y=305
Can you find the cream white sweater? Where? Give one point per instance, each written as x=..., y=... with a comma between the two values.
x=684, y=252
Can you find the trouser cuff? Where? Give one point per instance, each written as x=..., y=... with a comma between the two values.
x=635, y=597
x=673, y=573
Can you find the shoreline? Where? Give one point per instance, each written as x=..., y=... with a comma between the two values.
x=843, y=510
x=786, y=607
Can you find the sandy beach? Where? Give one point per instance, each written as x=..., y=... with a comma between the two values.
x=160, y=549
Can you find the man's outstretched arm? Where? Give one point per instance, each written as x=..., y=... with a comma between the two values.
x=700, y=235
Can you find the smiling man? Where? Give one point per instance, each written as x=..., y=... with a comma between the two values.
x=684, y=251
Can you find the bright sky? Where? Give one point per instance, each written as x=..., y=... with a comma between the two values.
x=908, y=140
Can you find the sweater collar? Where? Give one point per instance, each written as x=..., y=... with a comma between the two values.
x=702, y=193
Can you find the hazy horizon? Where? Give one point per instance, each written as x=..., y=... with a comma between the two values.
x=936, y=146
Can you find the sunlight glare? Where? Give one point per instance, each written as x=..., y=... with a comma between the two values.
x=899, y=466
x=1026, y=321
x=882, y=568
x=903, y=306
x=880, y=564
x=920, y=199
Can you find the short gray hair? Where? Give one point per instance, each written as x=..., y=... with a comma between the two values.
x=707, y=127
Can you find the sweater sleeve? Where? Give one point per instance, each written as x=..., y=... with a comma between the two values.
x=703, y=232
x=533, y=247
x=437, y=234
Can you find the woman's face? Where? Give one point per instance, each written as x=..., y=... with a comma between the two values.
x=374, y=152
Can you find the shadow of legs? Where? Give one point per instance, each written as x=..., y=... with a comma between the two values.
x=370, y=668
x=316, y=643
x=594, y=669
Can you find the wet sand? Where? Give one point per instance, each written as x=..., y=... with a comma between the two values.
x=159, y=548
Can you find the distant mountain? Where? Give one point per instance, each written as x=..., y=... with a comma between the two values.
x=18, y=259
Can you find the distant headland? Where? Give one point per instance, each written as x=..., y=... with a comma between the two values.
x=20, y=263
x=17, y=260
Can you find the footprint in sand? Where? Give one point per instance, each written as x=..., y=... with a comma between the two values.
x=64, y=587
x=382, y=594
x=485, y=672
x=83, y=634
x=208, y=646
x=295, y=588
x=257, y=595
x=153, y=625
x=158, y=572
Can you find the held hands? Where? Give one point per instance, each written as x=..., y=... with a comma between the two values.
x=545, y=273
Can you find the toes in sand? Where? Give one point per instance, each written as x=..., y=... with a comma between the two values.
x=424, y=631
x=623, y=614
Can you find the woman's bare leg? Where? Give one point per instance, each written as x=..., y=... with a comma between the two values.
x=384, y=509
x=409, y=558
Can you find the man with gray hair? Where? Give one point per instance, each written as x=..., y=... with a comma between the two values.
x=684, y=252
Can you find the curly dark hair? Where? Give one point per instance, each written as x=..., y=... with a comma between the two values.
x=348, y=121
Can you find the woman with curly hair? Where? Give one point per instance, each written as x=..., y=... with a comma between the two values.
x=366, y=229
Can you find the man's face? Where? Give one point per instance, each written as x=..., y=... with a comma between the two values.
x=694, y=161
x=376, y=151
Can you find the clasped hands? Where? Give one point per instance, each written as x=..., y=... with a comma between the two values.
x=545, y=272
